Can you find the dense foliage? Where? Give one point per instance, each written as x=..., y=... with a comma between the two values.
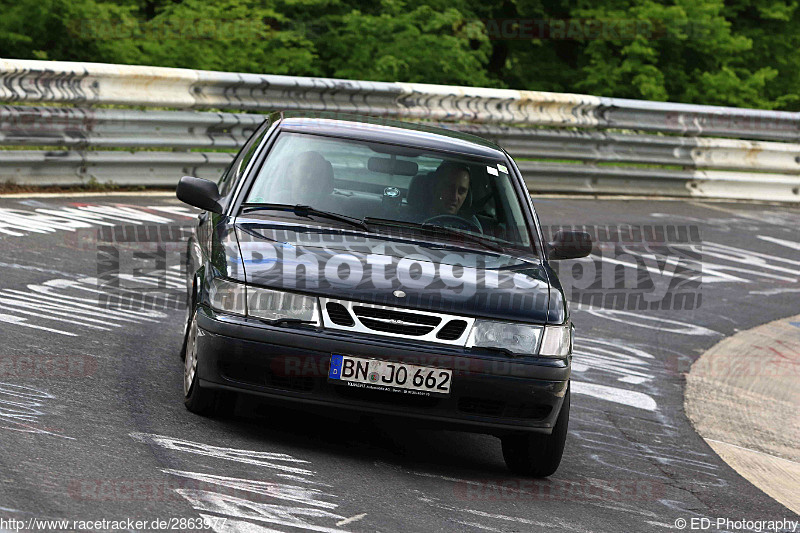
x=731, y=52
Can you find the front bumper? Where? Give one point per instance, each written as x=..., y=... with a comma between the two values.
x=490, y=393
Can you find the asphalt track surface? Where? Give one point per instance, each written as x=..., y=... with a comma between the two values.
x=93, y=426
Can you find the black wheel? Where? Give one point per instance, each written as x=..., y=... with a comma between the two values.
x=188, y=324
x=537, y=455
x=197, y=399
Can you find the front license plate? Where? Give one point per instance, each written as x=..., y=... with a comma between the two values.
x=386, y=375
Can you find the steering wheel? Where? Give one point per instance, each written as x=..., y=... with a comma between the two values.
x=453, y=221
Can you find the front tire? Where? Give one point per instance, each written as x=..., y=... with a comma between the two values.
x=535, y=455
x=187, y=321
x=199, y=400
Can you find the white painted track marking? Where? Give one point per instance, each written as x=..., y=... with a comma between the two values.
x=630, y=398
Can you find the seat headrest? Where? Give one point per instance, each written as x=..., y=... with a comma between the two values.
x=419, y=191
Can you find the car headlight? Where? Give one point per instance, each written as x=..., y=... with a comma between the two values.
x=241, y=299
x=557, y=341
x=521, y=339
x=227, y=296
x=277, y=305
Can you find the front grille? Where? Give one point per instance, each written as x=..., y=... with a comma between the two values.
x=392, y=321
x=452, y=330
x=397, y=322
x=339, y=315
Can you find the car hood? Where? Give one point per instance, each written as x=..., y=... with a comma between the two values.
x=395, y=270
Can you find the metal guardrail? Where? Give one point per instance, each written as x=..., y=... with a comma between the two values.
x=95, y=83
x=111, y=128
x=80, y=127
x=591, y=179
x=611, y=147
x=35, y=167
x=599, y=145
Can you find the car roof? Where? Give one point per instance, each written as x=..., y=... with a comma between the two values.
x=387, y=131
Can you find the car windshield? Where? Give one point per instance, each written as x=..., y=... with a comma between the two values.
x=386, y=185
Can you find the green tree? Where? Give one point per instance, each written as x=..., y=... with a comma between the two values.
x=229, y=35
x=411, y=44
x=773, y=26
x=728, y=52
x=688, y=54
x=67, y=30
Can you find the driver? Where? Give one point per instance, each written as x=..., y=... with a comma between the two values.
x=450, y=190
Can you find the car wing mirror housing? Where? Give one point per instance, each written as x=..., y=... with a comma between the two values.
x=569, y=245
x=199, y=193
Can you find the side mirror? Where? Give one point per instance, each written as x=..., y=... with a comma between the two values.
x=200, y=193
x=569, y=245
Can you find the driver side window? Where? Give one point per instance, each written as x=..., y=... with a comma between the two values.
x=239, y=164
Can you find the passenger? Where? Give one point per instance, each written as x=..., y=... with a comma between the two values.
x=308, y=181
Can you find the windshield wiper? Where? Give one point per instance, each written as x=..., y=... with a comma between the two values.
x=306, y=211
x=468, y=236
x=435, y=228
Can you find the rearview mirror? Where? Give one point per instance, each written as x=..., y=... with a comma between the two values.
x=199, y=193
x=569, y=245
x=397, y=167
